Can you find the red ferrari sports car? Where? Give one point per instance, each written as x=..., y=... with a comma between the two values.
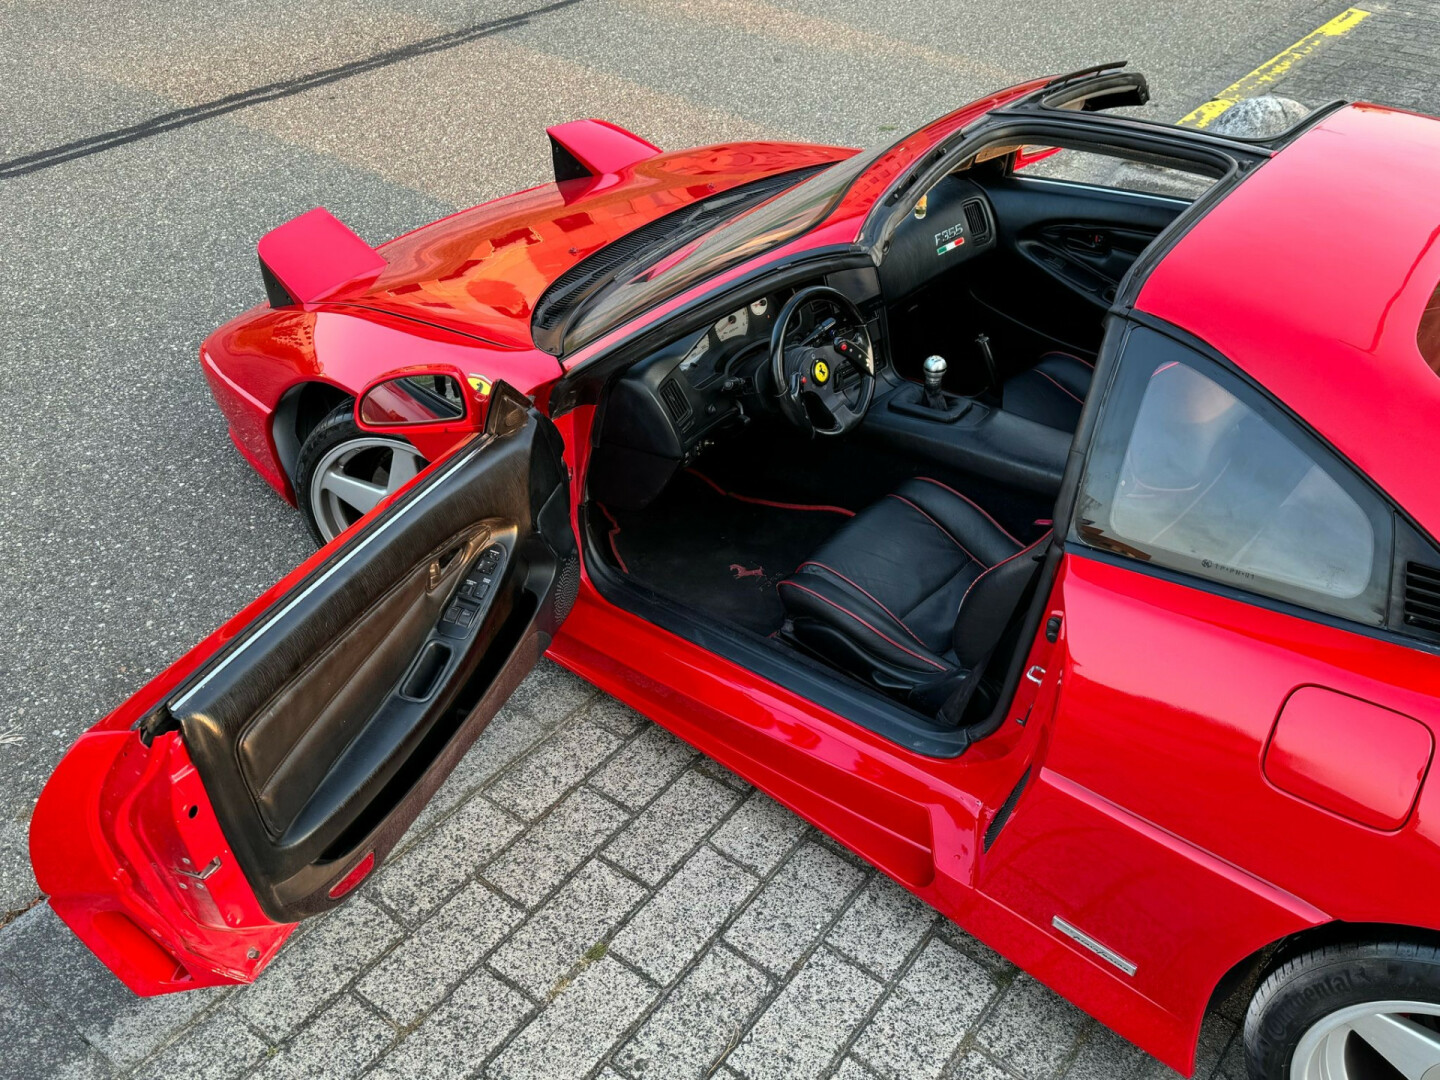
x=1038, y=505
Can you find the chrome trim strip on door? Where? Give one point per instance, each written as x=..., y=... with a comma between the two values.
x=1107, y=954
x=419, y=499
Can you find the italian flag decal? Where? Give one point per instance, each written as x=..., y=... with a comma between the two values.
x=951, y=246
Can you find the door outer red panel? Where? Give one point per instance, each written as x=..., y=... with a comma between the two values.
x=1356, y=759
x=97, y=817
x=125, y=842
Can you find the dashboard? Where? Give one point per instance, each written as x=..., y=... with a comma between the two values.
x=667, y=408
x=715, y=349
x=950, y=226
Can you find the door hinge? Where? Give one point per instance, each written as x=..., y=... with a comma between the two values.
x=157, y=721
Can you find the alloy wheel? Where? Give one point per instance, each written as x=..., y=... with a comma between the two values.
x=1376, y=1040
x=354, y=476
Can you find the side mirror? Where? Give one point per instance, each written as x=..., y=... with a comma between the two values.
x=419, y=398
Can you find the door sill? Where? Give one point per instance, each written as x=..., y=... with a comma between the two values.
x=797, y=673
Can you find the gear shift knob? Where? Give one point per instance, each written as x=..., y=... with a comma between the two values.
x=934, y=375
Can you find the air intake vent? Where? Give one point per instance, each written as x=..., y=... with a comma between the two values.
x=1422, y=597
x=676, y=404
x=977, y=220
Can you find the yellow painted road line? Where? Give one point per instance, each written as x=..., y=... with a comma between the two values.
x=1263, y=79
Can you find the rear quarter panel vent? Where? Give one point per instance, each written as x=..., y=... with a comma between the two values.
x=1422, y=598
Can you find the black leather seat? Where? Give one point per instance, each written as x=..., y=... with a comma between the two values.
x=912, y=593
x=1051, y=392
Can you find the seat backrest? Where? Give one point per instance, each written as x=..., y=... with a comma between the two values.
x=989, y=603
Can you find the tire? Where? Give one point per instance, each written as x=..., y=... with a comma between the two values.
x=1345, y=1011
x=341, y=469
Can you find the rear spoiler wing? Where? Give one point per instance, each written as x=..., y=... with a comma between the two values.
x=312, y=257
x=587, y=149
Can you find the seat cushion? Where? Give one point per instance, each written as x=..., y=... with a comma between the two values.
x=889, y=585
x=1050, y=393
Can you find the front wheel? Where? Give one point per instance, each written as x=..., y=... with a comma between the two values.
x=342, y=472
x=1365, y=1011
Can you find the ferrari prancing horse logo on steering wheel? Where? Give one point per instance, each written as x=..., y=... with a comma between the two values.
x=822, y=371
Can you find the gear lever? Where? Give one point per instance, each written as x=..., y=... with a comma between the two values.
x=934, y=375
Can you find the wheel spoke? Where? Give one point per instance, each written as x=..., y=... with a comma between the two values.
x=360, y=494
x=403, y=468
x=1411, y=1048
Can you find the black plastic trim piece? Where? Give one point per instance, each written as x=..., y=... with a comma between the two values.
x=276, y=293
x=155, y=723
x=997, y=823
x=567, y=165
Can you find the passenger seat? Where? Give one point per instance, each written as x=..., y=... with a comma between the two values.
x=1051, y=392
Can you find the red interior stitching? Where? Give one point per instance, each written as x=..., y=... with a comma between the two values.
x=997, y=566
x=876, y=602
x=973, y=503
x=1058, y=386
x=614, y=532
x=1068, y=356
x=769, y=502
x=865, y=624
x=949, y=535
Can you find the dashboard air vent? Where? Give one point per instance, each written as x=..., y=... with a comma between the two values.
x=1422, y=597
x=676, y=404
x=977, y=221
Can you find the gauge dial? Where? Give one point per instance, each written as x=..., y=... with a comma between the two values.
x=733, y=325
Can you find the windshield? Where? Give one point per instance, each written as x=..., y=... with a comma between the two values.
x=692, y=256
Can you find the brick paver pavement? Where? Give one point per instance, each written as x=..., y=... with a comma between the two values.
x=588, y=895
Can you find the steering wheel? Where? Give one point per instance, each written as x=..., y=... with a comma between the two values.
x=819, y=334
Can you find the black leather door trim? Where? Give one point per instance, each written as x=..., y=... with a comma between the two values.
x=310, y=754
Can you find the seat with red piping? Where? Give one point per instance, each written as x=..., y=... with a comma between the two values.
x=912, y=592
x=1051, y=392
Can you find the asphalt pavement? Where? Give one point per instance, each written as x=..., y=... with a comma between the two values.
x=145, y=147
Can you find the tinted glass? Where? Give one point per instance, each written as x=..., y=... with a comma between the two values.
x=752, y=233
x=1188, y=473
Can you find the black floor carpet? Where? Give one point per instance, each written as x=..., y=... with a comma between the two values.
x=719, y=552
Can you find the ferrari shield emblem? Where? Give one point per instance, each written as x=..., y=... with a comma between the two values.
x=822, y=371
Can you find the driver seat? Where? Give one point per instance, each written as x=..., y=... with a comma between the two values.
x=912, y=593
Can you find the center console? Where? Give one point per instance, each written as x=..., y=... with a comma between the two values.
x=968, y=435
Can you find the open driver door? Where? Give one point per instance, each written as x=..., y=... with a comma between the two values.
x=265, y=774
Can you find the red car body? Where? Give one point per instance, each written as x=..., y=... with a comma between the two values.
x=1167, y=811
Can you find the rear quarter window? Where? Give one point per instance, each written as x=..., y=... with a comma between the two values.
x=1193, y=471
